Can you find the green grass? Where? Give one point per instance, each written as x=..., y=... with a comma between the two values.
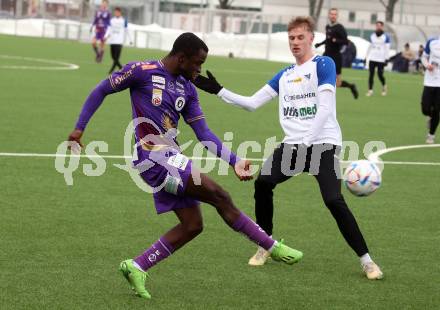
x=61, y=245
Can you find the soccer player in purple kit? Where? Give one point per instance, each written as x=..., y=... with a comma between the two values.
x=100, y=23
x=160, y=92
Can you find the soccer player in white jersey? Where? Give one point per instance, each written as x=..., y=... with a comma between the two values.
x=117, y=33
x=377, y=54
x=431, y=90
x=307, y=111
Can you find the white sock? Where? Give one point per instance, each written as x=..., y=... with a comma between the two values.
x=273, y=245
x=137, y=266
x=365, y=259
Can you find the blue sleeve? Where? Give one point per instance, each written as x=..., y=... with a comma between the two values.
x=274, y=82
x=387, y=38
x=126, y=23
x=427, y=47
x=326, y=70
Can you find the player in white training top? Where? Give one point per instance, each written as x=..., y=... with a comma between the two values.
x=378, y=53
x=307, y=111
x=116, y=35
x=431, y=90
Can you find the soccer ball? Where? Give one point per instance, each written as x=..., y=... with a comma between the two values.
x=362, y=178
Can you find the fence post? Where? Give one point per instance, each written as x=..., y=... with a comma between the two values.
x=269, y=38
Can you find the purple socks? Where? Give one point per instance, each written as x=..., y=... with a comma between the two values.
x=254, y=232
x=160, y=250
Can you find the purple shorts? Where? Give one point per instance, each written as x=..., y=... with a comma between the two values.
x=99, y=35
x=169, y=177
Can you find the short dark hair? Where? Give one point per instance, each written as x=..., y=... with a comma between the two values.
x=380, y=22
x=305, y=21
x=118, y=9
x=189, y=44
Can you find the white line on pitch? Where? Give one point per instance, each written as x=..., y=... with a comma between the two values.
x=193, y=158
x=64, y=65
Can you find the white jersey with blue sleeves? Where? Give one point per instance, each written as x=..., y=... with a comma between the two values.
x=432, y=53
x=380, y=47
x=298, y=87
x=118, y=30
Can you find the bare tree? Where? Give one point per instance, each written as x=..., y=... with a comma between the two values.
x=315, y=7
x=224, y=5
x=389, y=9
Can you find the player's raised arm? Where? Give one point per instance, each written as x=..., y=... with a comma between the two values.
x=195, y=118
x=116, y=82
x=250, y=103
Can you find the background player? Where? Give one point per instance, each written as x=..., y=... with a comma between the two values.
x=335, y=40
x=307, y=111
x=116, y=33
x=100, y=23
x=160, y=92
x=377, y=54
x=431, y=89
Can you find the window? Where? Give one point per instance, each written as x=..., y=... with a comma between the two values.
x=373, y=18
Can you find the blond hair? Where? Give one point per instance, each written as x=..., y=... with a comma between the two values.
x=305, y=21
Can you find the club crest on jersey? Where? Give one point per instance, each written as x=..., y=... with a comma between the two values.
x=180, y=103
x=156, y=98
x=158, y=79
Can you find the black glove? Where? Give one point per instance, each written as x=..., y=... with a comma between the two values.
x=208, y=84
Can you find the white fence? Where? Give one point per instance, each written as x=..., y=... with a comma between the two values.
x=270, y=46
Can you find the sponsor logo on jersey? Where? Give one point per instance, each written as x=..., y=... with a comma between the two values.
x=178, y=161
x=161, y=86
x=302, y=113
x=307, y=76
x=158, y=79
x=180, y=91
x=156, y=98
x=121, y=78
x=170, y=85
x=149, y=67
x=288, y=98
x=180, y=103
x=179, y=85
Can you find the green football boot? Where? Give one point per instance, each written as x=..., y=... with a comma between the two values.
x=135, y=278
x=283, y=253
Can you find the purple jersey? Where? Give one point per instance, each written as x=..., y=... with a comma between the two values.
x=102, y=20
x=157, y=96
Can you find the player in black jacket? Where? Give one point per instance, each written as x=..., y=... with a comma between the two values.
x=335, y=41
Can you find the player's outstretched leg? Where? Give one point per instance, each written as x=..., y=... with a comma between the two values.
x=330, y=187
x=135, y=270
x=210, y=192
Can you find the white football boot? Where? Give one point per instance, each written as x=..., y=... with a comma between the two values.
x=372, y=271
x=260, y=258
x=369, y=93
x=430, y=139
